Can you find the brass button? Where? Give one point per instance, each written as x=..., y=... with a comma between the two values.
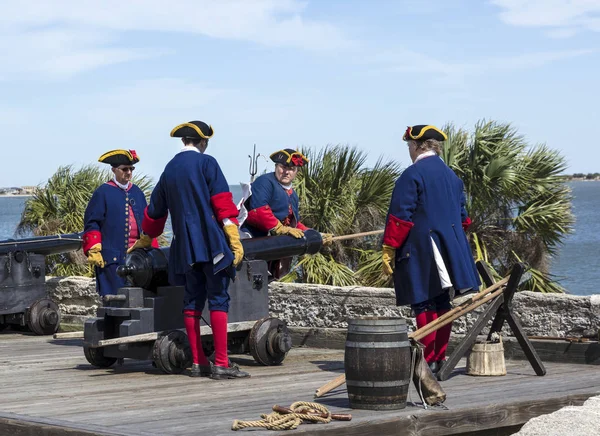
x=115, y=259
x=407, y=254
x=397, y=224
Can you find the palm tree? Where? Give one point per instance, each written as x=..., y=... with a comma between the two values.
x=339, y=194
x=58, y=207
x=519, y=203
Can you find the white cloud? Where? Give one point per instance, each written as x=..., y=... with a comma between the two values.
x=64, y=37
x=457, y=74
x=562, y=18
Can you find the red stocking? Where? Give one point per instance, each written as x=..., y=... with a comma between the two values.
x=442, y=338
x=191, y=319
x=423, y=319
x=218, y=322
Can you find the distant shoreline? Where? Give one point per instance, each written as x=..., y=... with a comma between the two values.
x=16, y=195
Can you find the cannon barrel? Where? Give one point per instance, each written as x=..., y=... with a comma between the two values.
x=148, y=268
x=44, y=245
x=280, y=247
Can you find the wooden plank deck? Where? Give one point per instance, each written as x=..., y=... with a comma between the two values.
x=47, y=387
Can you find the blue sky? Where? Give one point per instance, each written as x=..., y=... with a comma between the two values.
x=78, y=78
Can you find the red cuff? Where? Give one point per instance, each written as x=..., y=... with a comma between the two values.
x=466, y=223
x=224, y=207
x=90, y=239
x=262, y=218
x=155, y=243
x=153, y=227
x=301, y=227
x=396, y=231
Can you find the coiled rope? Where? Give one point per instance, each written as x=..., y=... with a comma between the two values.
x=301, y=411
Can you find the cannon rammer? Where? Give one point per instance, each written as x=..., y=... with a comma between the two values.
x=144, y=321
x=24, y=301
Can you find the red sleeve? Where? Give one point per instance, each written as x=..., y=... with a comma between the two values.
x=90, y=239
x=155, y=243
x=466, y=223
x=301, y=226
x=396, y=231
x=151, y=226
x=262, y=218
x=224, y=207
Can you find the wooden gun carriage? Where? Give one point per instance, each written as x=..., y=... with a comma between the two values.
x=24, y=302
x=145, y=320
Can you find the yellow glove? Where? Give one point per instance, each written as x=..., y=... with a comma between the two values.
x=233, y=237
x=388, y=255
x=95, y=256
x=145, y=241
x=327, y=238
x=280, y=229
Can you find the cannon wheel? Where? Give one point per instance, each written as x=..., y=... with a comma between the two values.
x=269, y=341
x=97, y=358
x=171, y=353
x=43, y=317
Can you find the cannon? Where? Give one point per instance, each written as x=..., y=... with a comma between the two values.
x=144, y=320
x=24, y=301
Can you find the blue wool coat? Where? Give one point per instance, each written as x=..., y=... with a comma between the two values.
x=431, y=196
x=185, y=189
x=266, y=191
x=106, y=220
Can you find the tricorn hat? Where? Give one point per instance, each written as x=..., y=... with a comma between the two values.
x=423, y=132
x=289, y=157
x=119, y=157
x=193, y=129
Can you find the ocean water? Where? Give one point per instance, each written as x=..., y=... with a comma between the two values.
x=575, y=265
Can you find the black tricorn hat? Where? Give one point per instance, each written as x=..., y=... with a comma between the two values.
x=193, y=129
x=422, y=132
x=119, y=157
x=289, y=157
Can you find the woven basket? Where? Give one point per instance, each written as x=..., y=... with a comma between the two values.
x=487, y=359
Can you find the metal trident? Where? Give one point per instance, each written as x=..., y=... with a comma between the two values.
x=254, y=163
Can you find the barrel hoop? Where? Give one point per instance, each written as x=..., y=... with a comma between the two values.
x=376, y=384
x=398, y=344
x=358, y=321
x=373, y=329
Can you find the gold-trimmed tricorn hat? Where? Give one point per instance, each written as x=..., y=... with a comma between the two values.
x=423, y=132
x=289, y=157
x=119, y=157
x=193, y=129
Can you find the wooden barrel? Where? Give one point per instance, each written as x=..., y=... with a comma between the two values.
x=377, y=363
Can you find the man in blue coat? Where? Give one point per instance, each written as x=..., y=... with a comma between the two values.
x=424, y=245
x=112, y=220
x=273, y=206
x=206, y=245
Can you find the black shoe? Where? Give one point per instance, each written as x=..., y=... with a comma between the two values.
x=200, y=371
x=433, y=366
x=222, y=373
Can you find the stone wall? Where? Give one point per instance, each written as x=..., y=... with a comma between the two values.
x=330, y=307
x=76, y=297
